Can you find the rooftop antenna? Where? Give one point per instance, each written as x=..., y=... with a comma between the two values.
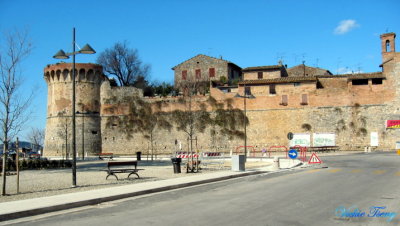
x=304, y=57
x=358, y=68
x=280, y=58
x=316, y=62
x=338, y=64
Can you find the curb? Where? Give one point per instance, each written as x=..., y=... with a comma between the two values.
x=95, y=201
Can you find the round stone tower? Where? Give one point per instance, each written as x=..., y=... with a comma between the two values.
x=58, y=138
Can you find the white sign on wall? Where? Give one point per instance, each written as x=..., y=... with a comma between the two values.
x=324, y=139
x=374, y=139
x=302, y=139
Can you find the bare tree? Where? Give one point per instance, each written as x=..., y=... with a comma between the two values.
x=36, y=137
x=124, y=63
x=13, y=50
x=194, y=118
x=141, y=118
x=64, y=132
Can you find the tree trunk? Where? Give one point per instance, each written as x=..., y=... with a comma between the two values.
x=4, y=167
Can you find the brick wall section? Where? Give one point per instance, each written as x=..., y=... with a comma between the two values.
x=253, y=75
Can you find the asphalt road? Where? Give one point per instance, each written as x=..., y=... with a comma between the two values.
x=360, y=189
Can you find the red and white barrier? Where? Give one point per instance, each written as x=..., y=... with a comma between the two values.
x=212, y=154
x=186, y=155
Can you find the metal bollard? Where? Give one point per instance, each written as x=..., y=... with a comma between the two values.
x=275, y=165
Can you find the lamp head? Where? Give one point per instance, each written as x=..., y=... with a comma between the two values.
x=87, y=49
x=61, y=55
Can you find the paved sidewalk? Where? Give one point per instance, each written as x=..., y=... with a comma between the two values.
x=30, y=207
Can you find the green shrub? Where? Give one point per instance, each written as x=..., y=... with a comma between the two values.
x=30, y=164
x=45, y=164
x=53, y=164
x=68, y=164
x=24, y=164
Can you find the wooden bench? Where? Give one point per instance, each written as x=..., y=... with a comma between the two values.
x=122, y=167
x=102, y=156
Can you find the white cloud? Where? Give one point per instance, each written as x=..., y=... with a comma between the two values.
x=345, y=26
x=346, y=70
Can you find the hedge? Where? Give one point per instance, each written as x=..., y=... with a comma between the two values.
x=36, y=164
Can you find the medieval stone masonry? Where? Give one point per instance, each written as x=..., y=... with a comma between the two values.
x=348, y=110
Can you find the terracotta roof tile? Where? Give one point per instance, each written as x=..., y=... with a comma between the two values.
x=260, y=68
x=366, y=75
x=312, y=78
x=229, y=62
x=302, y=70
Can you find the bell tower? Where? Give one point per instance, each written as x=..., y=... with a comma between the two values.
x=388, y=46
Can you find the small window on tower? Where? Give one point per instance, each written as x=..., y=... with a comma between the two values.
x=387, y=46
x=260, y=75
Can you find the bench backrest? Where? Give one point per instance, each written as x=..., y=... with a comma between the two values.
x=120, y=164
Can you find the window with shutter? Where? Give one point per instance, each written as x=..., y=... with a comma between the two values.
x=272, y=89
x=247, y=91
x=184, y=75
x=260, y=75
x=198, y=73
x=211, y=72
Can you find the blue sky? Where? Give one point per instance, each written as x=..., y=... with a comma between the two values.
x=336, y=35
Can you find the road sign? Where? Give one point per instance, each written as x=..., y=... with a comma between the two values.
x=292, y=153
x=290, y=136
x=314, y=159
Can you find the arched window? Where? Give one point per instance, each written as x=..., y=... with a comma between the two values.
x=387, y=46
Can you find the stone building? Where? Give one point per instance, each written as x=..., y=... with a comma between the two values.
x=205, y=68
x=350, y=110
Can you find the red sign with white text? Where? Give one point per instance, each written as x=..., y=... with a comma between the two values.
x=392, y=123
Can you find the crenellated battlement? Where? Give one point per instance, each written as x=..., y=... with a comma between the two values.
x=62, y=72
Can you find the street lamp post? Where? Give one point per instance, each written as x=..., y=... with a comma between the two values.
x=62, y=55
x=83, y=131
x=245, y=96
